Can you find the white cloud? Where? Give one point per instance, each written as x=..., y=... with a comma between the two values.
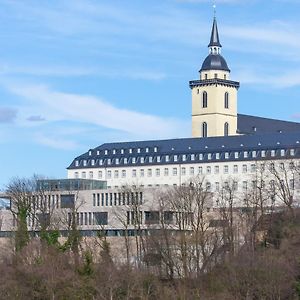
x=85, y=109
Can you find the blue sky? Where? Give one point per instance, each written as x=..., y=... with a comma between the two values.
x=77, y=73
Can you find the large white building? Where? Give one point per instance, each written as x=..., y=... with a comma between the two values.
x=224, y=143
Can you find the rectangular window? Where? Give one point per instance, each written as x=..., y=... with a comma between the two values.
x=142, y=173
x=209, y=156
x=76, y=175
x=134, y=173
x=92, y=162
x=174, y=171
x=217, y=185
x=116, y=174
x=282, y=152
x=235, y=169
x=125, y=160
x=123, y=173
x=157, y=172
x=166, y=172
x=108, y=161
x=117, y=161
x=253, y=154
x=244, y=185
x=217, y=169
x=217, y=155
x=225, y=169
x=133, y=160
x=226, y=155
x=253, y=168
x=91, y=175
x=67, y=201
x=100, y=218
x=236, y=155
x=245, y=154
x=142, y=160
x=175, y=158
x=76, y=163
x=183, y=157
x=208, y=170
x=99, y=174
x=109, y=174
x=263, y=153
x=149, y=172
x=200, y=170
x=83, y=175
x=245, y=169
x=183, y=171
x=200, y=156
x=84, y=163
x=292, y=152
x=192, y=157
x=273, y=153
x=192, y=171
x=167, y=158
x=151, y=217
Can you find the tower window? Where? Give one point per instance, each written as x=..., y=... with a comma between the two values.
x=205, y=76
x=204, y=129
x=226, y=129
x=226, y=100
x=225, y=77
x=216, y=75
x=204, y=99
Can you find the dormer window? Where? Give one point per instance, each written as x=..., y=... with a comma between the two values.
x=155, y=149
x=192, y=157
x=92, y=162
x=142, y=160
x=76, y=163
x=125, y=160
x=117, y=161
x=292, y=152
x=114, y=151
x=98, y=152
x=167, y=158
x=122, y=151
x=109, y=161
x=130, y=150
x=133, y=160
x=101, y=162
x=84, y=163
x=183, y=157
x=147, y=150
x=90, y=153
x=150, y=159
x=105, y=152
x=139, y=150
x=175, y=157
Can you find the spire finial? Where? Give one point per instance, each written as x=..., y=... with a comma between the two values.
x=215, y=10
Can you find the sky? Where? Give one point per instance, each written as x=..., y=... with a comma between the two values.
x=77, y=73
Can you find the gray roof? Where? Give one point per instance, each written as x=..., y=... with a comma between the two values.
x=214, y=62
x=214, y=38
x=259, y=125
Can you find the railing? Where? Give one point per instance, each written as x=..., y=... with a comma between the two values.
x=214, y=81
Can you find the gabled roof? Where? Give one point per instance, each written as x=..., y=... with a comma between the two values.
x=259, y=125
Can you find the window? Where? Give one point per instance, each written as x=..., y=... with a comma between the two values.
x=208, y=186
x=149, y=172
x=217, y=169
x=282, y=152
x=116, y=174
x=100, y=174
x=292, y=152
x=253, y=154
x=122, y=151
x=192, y=170
x=147, y=150
x=92, y=162
x=217, y=155
x=138, y=150
x=192, y=156
x=167, y=158
x=130, y=150
x=226, y=100
x=123, y=173
x=204, y=129
x=151, y=159
x=226, y=155
x=142, y=160
x=204, y=99
x=155, y=149
x=200, y=170
x=157, y=172
x=108, y=174
x=166, y=172
x=226, y=169
x=84, y=163
x=273, y=152
x=200, y=156
x=133, y=160
x=83, y=175
x=217, y=184
x=244, y=168
x=236, y=155
x=100, y=218
x=253, y=168
x=91, y=175
x=151, y=217
x=134, y=173
x=183, y=171
x=76, y=175
x=174, y=171
x=263, y=153
x=226, y=129
x=125, y=160
x=109, y=161
x=67, y=201
x=105, y=152
x=245, y=154
x=142, y=173
x=208, y=170
x=114, y=151
x=235, y=169
x=183, y=157
x=209, y=156
x=76, y=163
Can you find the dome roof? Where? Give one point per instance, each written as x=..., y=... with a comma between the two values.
x=214, y=62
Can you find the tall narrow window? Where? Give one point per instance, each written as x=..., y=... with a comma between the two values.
x=204, y=129
x=226, y=129
x=204, y=99
x=226, y=100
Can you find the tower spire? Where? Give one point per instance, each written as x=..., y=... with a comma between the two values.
x=214, y=44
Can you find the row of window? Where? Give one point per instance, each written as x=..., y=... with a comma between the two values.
x=183, y=171
x=190, y=157
x=88, y=218
x=205, y=129
x=123, y=151
x=114, y=199
x=205, y=99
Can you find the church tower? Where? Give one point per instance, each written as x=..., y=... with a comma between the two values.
x=214, y=96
